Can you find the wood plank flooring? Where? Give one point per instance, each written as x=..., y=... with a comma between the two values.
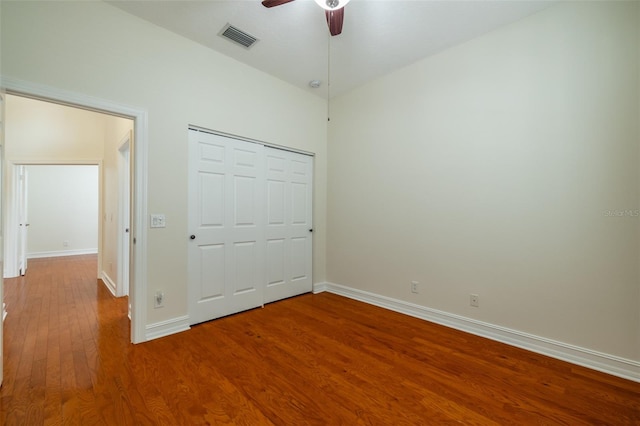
x=314, y=359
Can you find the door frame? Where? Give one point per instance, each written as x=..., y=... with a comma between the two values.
x=138, y=272
x=3, y=311
x=11, y=219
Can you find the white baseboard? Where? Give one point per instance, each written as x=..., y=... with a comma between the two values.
x=108, y=282
x=611, y=364
x=165, y=328
x=60, y=253
x=320, y=287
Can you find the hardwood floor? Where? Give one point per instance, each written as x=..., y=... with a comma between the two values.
x=314, y=359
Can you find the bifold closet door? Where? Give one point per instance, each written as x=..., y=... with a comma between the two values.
x=250, y=228
x=226, y=226
x=288, y=224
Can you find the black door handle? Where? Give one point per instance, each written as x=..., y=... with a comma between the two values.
x=193, y=237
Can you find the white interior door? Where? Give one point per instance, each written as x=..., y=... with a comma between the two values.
x=124, y=234
x=289, y=240
x=22, y=218
x=226, y=226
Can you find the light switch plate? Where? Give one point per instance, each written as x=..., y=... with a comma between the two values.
x=158, y=221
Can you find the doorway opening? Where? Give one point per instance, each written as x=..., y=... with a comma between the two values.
x=44, y=133
x=50, y=133
x=57, y=209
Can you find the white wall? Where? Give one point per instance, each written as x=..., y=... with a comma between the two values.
x=490, y=168
x=63, y=207
x=40, y=132
x=98, y=50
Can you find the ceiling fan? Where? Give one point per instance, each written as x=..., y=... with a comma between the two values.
x=334, y=10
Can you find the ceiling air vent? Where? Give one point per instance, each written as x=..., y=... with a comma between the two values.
x=237, y=36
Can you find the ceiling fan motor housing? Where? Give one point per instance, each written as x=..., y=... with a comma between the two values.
x=334, y=11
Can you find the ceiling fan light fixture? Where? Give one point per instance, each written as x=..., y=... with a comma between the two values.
x=332, y=4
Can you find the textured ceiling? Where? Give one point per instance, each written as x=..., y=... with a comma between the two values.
x=379, y=36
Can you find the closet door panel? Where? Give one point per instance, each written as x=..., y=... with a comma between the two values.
x=226, y=226
x=289, y=223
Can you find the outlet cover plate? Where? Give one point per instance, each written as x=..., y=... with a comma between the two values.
x=474, y=300
x=158, y=221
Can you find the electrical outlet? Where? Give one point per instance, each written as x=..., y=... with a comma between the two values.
x=65, y=243
x=158, y=221
x=158, y=301
x=474, y=300
x=414, y=286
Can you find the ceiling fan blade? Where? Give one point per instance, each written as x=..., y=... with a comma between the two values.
x=272, y=3
x=335, y=18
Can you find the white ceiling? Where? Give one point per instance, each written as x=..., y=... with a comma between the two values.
x=379, y=36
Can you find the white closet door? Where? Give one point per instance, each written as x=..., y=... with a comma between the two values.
x=289, y=224
x=226, y=226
